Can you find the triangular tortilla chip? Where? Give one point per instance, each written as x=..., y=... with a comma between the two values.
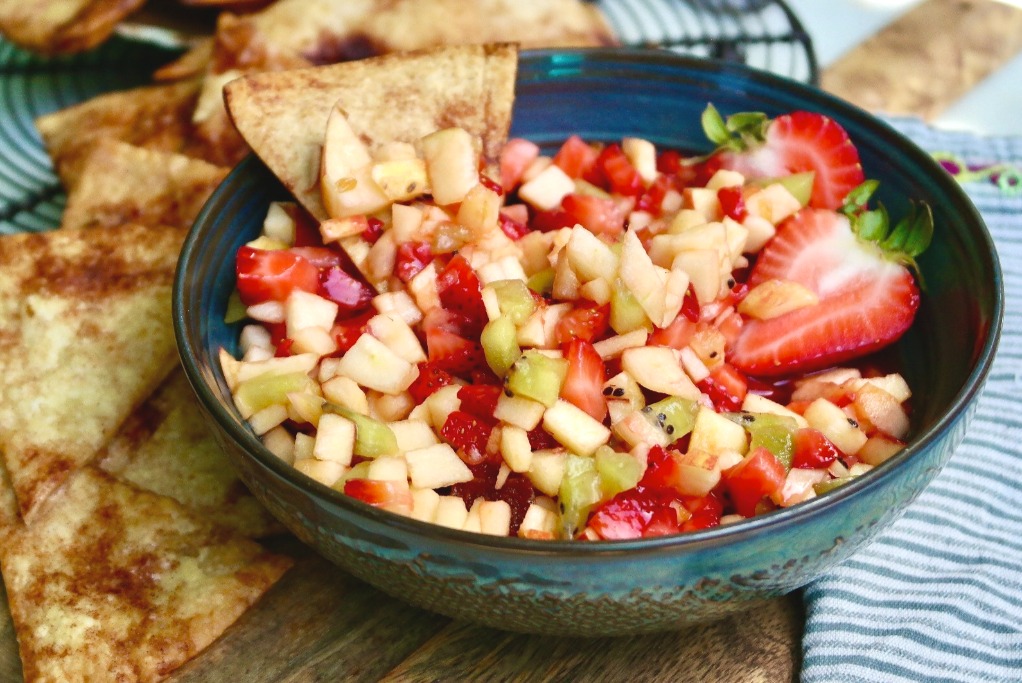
x=62, y=26
x=154, y=117
x=111, y=583
x=165, y=447
x=399, y=97
x=122, y=183
x=85, y=336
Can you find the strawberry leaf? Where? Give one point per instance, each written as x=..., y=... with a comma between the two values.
x=714, y=126
x=858, y=198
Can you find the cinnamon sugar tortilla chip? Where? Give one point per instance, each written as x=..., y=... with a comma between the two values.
x=122, y=183
x=165, y=447
x=110, y=583
x=62, y=26
x=399, y=97
x=85, y=336
x=155, y=117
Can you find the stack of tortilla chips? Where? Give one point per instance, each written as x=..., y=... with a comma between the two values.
x=126, y=540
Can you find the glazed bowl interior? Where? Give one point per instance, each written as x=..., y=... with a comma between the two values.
x=606, y=95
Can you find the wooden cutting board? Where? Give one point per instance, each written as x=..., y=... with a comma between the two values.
x=318, y=623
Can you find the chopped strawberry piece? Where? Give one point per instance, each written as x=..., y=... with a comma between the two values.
x=677, y=335
x=690, y=305
x=614, y=172
x=599, y=215
x=379, y=493
x=663, y=522
x=480, y=400
x=669, y=161
x=491, y=184
x=540, y=439
x=430, y=379
x=812, y=450
x=866, y=301
x=575, y=157
x=411, y=258
x=759, y=475
x=726, y=387
x=460, y=291
x=515, y=157
x=804, y=141
x=271, y=275
x=511, y=227
x=322, y=257
x=629, y=513
x=554, y=219
x=346, y=332
x=453, y=353
x=652, y=200
x=468, y=434
x=583, y=383
x=517, y=490
x=706, y=512
x=662, y=471
x=284, y=347
x=278, y=332
x=587, y=321
x=349, y=293
x=732, y=203
x=373, y=231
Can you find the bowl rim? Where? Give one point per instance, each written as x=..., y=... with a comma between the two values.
x=692, y=541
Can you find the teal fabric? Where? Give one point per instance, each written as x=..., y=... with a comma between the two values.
x=938, y=596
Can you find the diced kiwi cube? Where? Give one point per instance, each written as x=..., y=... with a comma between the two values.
x=618, y=471
x=266, y=390
x=542, y=282
x=372, y=437
x=538, y=377
x=626, y=313
x=500, y=344
x=773, y=432
x=830, y=484
x=580, y=491
x=359, y=471
x=515, y=299
x=675, y=415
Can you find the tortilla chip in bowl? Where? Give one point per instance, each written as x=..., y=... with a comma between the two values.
x=629, y=586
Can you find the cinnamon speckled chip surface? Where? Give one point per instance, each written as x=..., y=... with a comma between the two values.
x=111, y=583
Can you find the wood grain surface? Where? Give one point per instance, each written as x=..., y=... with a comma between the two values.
x=928, y=58
x=319, y=624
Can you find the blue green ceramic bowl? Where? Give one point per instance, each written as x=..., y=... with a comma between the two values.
x=620, y=587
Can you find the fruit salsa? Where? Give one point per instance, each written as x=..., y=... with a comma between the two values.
x=613, y=342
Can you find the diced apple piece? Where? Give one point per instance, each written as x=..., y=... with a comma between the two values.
x=479, y=210
x=335, y=229
x=626, y=313
x=424, y=504
x=423, y=288
x=612, y=347
x=589, y=256
x=858, y=469
x=646, y=282
x=370, y=363
x=278, y=224
x=315, y=340
x=326, y=472
x=878, y=410
x=835, y=425
x=304, y=445
x=713, y=433
x=390, y=407
x=636, y=428
x=388, y=468
x=400, y=304
x=266, y=312
x=267, y=418
x=540, y=521
x=515, y=448
x=773, y=203
x=254, y=336
x=452, y=164
x=547, y=469
x=345, y=176
x=894, y=384
x=642, y=154
x=451, y=512
x=284, y=365
x=774, y=298
x=304, y=309
x=405, y=223
x=799, y=486
x=335, y=439
x=395, y=333
x=574, y=429
x=372, y=437
x=262, y=391
x=472, y=522
x=658, y=368
x=709, y=344
x=725, y=178
x=879, y=448
x=546, y=190
x=754, y=403
x=305, y=406
x=698, y=473
x=519, y=411
x=760, y=231
x=345, y=392
x=401, y=179
x=704, y=271
x=597, y=291
x=436, y=466
x=442, y=403
x=412, y=435
x=494, y=517
x=703, y=200
x=280, y=442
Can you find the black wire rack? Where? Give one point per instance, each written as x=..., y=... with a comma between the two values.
x=763, y=34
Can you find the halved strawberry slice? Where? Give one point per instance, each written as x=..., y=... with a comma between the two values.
x=583, y=384
x=801, y=141
x=867, y=296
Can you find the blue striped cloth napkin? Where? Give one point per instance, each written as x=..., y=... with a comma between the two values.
x=938, y=596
